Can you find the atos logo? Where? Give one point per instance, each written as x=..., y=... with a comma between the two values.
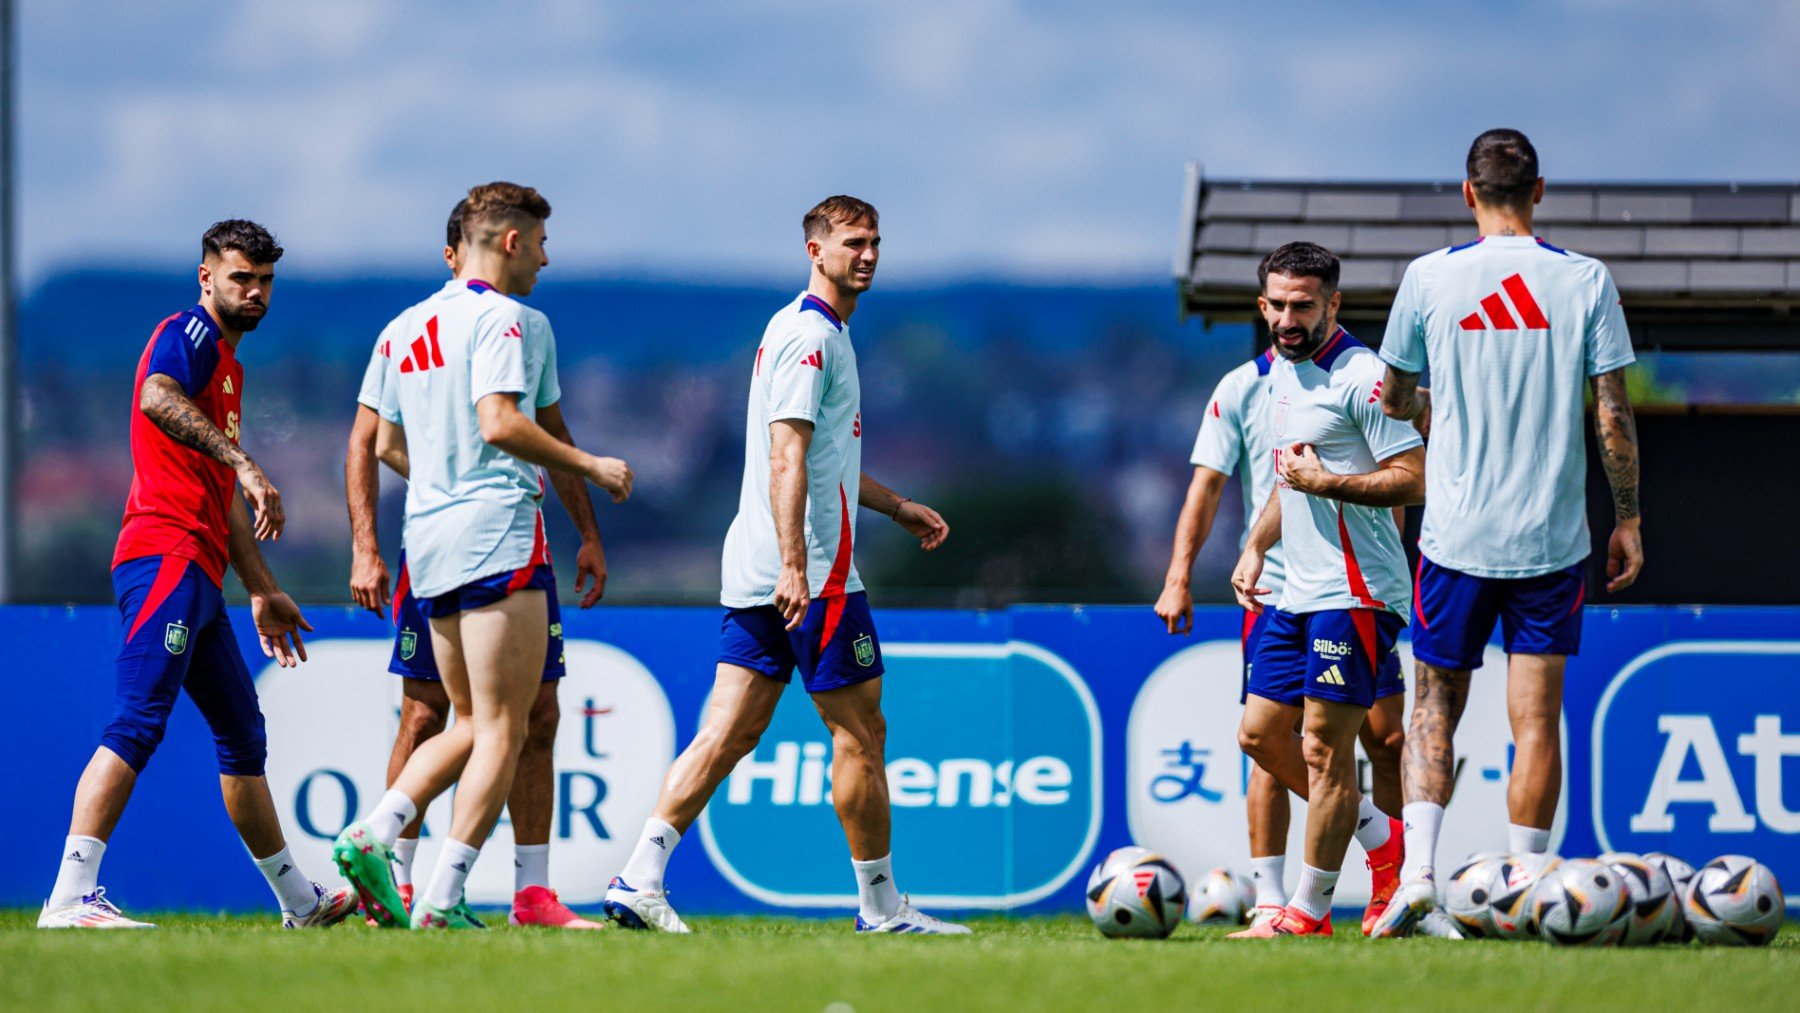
x=1692, y=764
x=993, y=770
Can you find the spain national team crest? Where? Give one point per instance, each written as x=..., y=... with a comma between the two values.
x=175, y=638
x=409, y=645
x=865, y=650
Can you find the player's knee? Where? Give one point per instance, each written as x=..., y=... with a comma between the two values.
x=244, y=753
x=540, y=733
x=1385, y=748
x=1321, y=756
x=421, y=719
x=1255, y=741
x=865, y=742
x=133, y=737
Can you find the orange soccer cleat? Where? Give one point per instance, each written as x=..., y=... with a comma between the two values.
x=537, y=905
x=1290, y=922
x=1384, y=874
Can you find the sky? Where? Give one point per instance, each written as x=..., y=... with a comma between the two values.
x=1001, y=139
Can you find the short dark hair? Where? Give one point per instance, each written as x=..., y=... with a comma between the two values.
x=492, y=208
x=1503, y=168
x=1300, y=260
x=839, y=210
x=242, y=235
x=453, y=234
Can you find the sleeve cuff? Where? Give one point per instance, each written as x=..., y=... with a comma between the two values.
x=1399, y=363
x=792, y=414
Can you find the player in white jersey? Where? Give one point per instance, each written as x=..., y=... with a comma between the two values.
x=424, y=705
x=791, y=592
x=1234, y=437
x=467, y=386
x=1512, y=329
x=1341, y=466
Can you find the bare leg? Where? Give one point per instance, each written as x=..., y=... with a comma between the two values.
x=1266, y=734
x=743, y=701
x=424, y=711
x=1266, y=805
x=1429, y=771
x=1383, y=738
x=437, y=762
x=1534, y=690
x=859, y=788
x=252, y=811
x=501, y=646
x=1330, y=752
x=101, y=794
x=533, y=794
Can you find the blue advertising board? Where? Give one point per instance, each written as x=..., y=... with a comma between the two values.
x=1022, y=745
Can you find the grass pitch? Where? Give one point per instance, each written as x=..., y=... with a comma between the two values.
x=200, y=962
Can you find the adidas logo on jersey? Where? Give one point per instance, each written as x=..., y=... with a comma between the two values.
x=1500, y=316
x=1331, y=677
x=425, y=351
x=228, y=385
x=816, y=360
x=1375, y=392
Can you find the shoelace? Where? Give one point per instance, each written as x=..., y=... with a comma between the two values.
x=98, y=899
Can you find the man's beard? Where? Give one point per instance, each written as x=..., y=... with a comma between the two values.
x=1304, y=351
x=239, y=321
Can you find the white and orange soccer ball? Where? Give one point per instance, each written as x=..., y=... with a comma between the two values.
x=1734, y=901
x=1136, y=893
x=1654, y=906
x=1680, y=874
x=1221, y=897
x=1470, y=891
x=1581, y=902
x=1512, y=908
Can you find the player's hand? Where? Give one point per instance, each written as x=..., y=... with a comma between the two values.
x=264, y=500
x=278, y=625
x=1422, y=421
x=923, y=523
x=590, y=561
x=613, y=475
x=369, y=581
x=1624, y=554
x=1244, y=580
x=1302, y=470
x=792, y=596
x=1175, y=607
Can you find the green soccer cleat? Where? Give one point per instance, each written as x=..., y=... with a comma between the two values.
x=424, y=916
x=369, y=866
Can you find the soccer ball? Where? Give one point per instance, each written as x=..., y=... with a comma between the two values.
x=1735, y=901
x=1651, y=895
x=1581, y=903
x=1136, y=892
x=1680, y=874
x=1222, y=897
x=1471, y=888
x=1512, y=908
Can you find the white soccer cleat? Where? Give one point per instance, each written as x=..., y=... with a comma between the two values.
x=1263, y=913
x=91, y=912
x=1412, y=901
x=641, y=909
x=910, y=919
x=334, y=906
x=1438, y=925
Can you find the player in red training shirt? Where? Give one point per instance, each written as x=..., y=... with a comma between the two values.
x=182, y=526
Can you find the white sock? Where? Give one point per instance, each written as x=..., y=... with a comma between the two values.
x=1371, y=825
x=1316, y=887
x=875, y=891
x=446, y=887
x=79, y=873
x=644, y=869
x=1267, y=873
x=1526, y=840
x=292, y=888
x=1422, y=820
x=390, y=816
x=531, y=866
x=404, y=850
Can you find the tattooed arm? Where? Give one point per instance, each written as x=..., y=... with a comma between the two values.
x=1617, y=432
x=1401, y=397
x=164, y=402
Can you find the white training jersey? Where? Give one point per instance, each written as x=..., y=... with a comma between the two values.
x=1510, y=328
x=1234, y=437
x=1339, y=555
x=471, y=509
x=805, y=369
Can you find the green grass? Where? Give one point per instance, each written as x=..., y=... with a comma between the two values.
x=794, y=964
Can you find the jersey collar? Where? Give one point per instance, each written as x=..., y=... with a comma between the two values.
x=477, y=285
x=818, y=305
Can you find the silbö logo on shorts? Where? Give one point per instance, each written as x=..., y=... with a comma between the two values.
x=992, y=772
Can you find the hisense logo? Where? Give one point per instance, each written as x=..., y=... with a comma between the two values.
x=800, y=774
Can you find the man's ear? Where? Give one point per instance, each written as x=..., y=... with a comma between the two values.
x=813, y=247
x=205, y=276
x=510, y=242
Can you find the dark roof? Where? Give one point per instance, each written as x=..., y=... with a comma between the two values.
x=1709, y=265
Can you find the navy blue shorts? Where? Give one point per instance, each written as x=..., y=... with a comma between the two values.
x=1454, y=613
x=484, y=591
x=1338, y=654
x=413, y=657
x=1389, y=680
x=834, y=647
x=178, y=637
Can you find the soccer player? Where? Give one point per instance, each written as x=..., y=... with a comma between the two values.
x=182, y=527
x=469, y=373
x=1234, y=436
x=791, y=592
x=1340, y=465
x=1511, y=328
x=424, y=706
